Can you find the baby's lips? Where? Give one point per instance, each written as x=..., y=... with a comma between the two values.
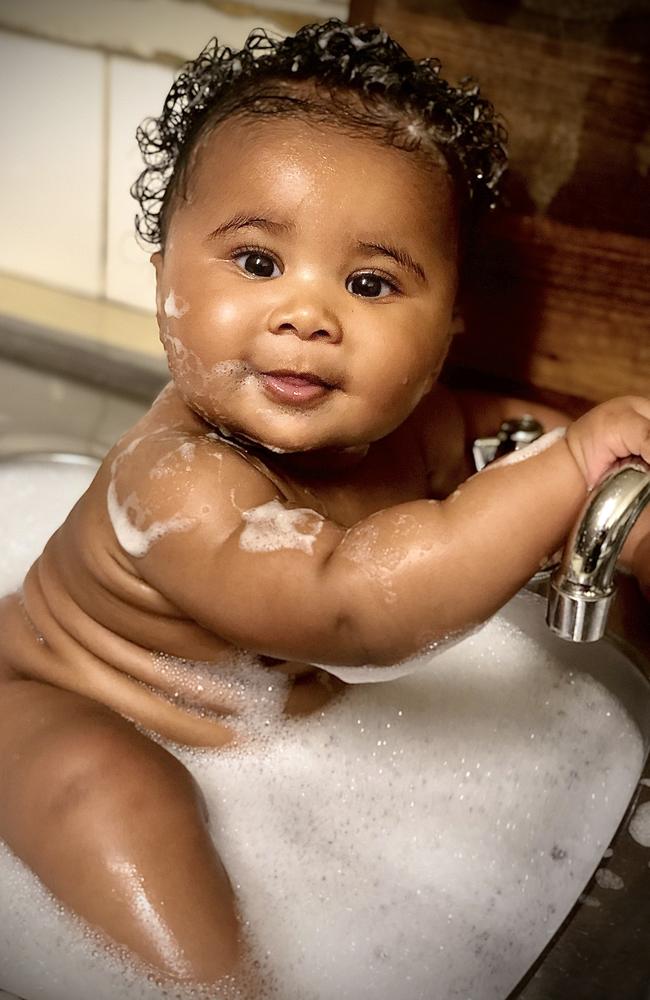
x=294, y=387
x=299, y=378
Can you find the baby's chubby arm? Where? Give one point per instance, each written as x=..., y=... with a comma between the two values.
x=293, y=585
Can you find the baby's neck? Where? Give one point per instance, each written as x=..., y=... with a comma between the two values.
x=321, y=463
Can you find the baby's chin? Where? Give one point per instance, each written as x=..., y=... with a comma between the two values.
x=287, y=433
x=281, y=445
x=277, y=443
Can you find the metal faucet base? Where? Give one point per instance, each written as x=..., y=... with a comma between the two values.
x=577, y=615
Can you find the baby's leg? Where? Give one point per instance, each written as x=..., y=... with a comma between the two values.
x=116, y=828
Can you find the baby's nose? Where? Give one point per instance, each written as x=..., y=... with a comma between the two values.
x=307, y=321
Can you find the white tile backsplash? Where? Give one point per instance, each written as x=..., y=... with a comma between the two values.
x=146, y=28
x=69, y=115
x=52, y=162
x=136, y=90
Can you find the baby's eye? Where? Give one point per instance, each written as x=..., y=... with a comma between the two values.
x=370, y=285
x=259, y=264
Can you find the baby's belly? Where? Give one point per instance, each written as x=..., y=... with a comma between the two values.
x=190, y=702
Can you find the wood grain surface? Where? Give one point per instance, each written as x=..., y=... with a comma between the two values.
x=558, y=301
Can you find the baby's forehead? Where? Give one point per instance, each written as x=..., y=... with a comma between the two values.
x=318, y=112
x=263, y=147
x=296, y=168
x=298, y=180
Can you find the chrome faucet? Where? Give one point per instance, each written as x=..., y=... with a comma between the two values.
x=512, y=435
x=582, y=587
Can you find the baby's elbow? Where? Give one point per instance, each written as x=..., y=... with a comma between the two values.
x=369, y=637
x=366, y=625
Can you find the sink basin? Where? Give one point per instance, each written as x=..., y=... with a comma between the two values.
x=506, y=765
x=601, y=949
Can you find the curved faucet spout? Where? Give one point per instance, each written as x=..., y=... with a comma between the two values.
x=582, y=587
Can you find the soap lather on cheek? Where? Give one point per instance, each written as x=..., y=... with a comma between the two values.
x=175, y=307
x=187, y=365
x=271, y=527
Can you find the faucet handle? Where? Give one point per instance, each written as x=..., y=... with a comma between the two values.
x=512, y=435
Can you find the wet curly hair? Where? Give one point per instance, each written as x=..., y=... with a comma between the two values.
x=361, y=80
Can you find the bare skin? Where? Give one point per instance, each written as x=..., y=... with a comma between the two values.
x=265, y=277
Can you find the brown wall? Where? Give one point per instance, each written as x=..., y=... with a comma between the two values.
x=559, y=303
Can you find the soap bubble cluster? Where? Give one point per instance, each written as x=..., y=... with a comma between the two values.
x=362, y=80
x=420, y=838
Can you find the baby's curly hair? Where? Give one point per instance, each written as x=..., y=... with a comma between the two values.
x=399, y=101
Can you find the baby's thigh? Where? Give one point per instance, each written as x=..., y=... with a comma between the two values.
x=108, y=819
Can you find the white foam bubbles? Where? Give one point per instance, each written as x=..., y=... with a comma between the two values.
x=232, y=369
x=175, y=307
x=237, y=689
x=35, y=498
x=607, y=879
x=640, y=825
x=535, y=448
x=271, y=527
x=413, y=833
x=422, y=661
x=128, y=516
x=137, y=541
x=409, y=840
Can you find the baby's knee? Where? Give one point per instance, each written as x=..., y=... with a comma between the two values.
x=102, y=765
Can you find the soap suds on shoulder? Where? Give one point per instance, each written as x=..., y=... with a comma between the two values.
x=126, y=517
x=137, y=541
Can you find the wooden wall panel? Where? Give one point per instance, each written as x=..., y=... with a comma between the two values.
x=560, y=308
x=559, y=299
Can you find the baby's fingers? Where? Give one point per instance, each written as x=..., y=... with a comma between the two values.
x=611, y=431
x=634, y=433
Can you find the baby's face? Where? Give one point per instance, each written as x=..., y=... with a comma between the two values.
x=306, y=288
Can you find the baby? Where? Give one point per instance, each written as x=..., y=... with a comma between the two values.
x=301, y=490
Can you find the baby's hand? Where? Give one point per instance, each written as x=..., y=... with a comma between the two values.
x=613, y=430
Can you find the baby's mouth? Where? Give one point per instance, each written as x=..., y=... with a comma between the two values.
x=295, y=388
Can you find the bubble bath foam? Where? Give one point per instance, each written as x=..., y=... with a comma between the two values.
x=418, y=839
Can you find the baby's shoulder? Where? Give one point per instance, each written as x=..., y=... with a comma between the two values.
x=171, y=473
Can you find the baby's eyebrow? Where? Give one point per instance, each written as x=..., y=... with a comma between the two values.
x=244, y=221
x=396, y=253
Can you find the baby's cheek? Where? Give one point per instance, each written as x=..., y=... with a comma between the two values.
x=185, y=366
x=412, y=387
